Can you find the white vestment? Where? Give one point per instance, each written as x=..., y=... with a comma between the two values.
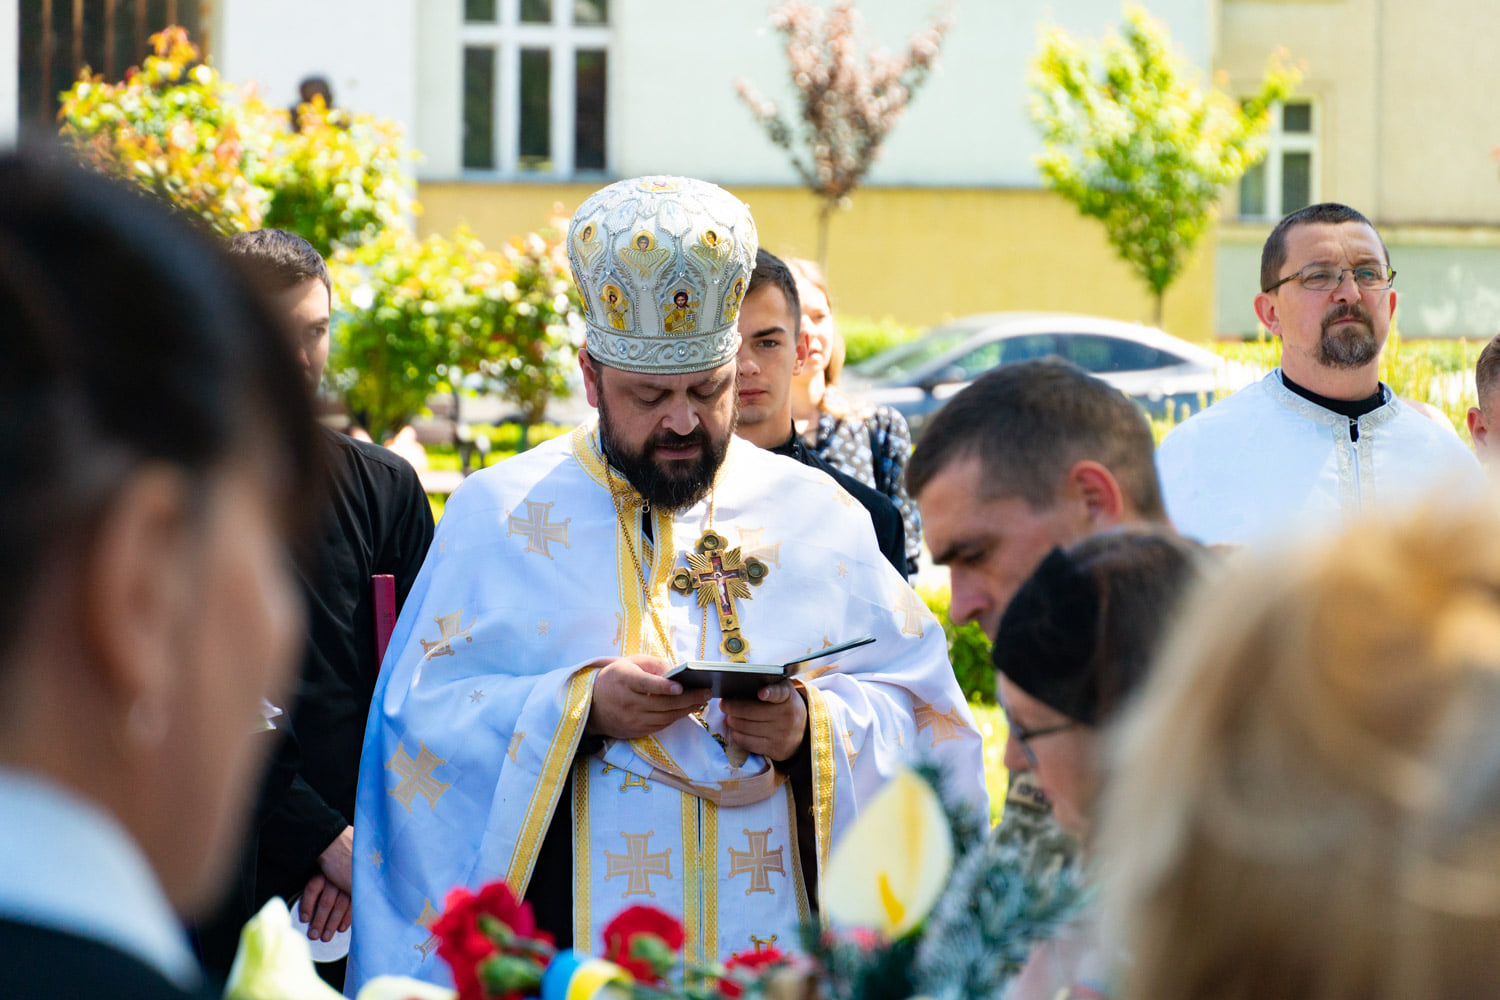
x=531, y=581
x=1266, y=462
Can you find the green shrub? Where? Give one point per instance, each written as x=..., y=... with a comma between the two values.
x=865, y=338
x=968, y=650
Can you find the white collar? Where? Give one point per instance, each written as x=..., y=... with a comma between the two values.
x=68, y=865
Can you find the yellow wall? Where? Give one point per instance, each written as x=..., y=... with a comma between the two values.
x=919, y=255
x=1404, y=91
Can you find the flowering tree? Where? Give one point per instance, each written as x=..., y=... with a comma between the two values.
x=1132, y=140
x=177, y=129
x=849, y=100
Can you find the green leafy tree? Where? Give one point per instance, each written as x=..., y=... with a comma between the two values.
x=410, y=308
x=420, y=313
x=533, y=324
x=177, y=129
x=339, y=179
x=848, y=99
x=1132, y=139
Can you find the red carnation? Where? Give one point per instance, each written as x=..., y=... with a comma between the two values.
x=752, y=965
x=644, y=941
x=464, y=944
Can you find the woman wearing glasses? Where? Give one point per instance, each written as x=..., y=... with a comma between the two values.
x=1073, y=645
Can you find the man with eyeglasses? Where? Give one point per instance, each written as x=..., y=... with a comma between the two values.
x=1320, y=438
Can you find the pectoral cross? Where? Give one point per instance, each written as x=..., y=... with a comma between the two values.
x=720, y=576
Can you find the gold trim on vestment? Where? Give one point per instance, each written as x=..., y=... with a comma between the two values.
x=823, y=760
x=558, y=759
x=804, y=909
x=710, y=878
x=692, y=945
x=583, y=849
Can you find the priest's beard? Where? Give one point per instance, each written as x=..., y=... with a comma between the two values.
x=1350, y=345
x=667, y=485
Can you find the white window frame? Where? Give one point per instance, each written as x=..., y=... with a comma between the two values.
x=507, y=36
x=1279, y=143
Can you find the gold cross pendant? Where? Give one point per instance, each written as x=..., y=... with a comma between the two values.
x=720, y=576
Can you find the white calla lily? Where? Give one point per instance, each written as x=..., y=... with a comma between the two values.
x=273, y=961
x=893, y=862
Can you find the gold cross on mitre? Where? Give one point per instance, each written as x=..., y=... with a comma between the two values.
x=721, y=576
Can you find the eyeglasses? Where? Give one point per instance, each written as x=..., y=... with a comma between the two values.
x=1024, y=736
x=1325, y=278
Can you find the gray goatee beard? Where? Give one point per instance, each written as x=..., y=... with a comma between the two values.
x=1349, y=346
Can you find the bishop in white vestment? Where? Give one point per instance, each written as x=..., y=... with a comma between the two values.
x=550, y=567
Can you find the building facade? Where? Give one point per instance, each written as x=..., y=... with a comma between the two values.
x=522, y=107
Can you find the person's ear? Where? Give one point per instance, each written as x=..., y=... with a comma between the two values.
x=1096, y=487
x=1479, y=432
x=590, y=377
x=1267, y=311
x=802, y=342
x=134, y=599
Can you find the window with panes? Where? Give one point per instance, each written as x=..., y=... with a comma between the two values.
x=1286, y=179
x=535, y=87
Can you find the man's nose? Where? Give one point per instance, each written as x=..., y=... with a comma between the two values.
x=1346, y=290
x=967, y=602
x=680, y=417
x=747, y=365
x=1015, y=758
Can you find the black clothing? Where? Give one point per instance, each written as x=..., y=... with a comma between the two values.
x=885, y=516
x=1351, y=408
x=377, y=521
x=40, y=963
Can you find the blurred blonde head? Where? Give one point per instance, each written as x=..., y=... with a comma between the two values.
x=1307, y=802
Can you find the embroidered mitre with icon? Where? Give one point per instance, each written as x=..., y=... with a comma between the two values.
x=662, y=264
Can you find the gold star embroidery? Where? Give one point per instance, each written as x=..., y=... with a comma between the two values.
x=543, y=628
x=843, y=570
x=376, y=858
x=476, y=696
x=515, y=745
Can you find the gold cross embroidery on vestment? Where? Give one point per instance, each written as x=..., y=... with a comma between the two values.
x=638, y=864
x=758, y=862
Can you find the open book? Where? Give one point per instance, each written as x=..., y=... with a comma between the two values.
x=727, y=679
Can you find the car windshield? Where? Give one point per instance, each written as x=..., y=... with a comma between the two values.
x=906, y=358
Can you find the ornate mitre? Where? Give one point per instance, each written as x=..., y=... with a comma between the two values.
x=662, y=264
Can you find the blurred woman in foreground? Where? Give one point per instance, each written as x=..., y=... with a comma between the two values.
x=1074, y=645
x=1308, y=803
x=870, y=443
x=154, y=452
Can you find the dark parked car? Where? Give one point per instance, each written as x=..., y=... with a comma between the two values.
x=1154, y=368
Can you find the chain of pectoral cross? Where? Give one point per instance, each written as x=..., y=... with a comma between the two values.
x=615, y=491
